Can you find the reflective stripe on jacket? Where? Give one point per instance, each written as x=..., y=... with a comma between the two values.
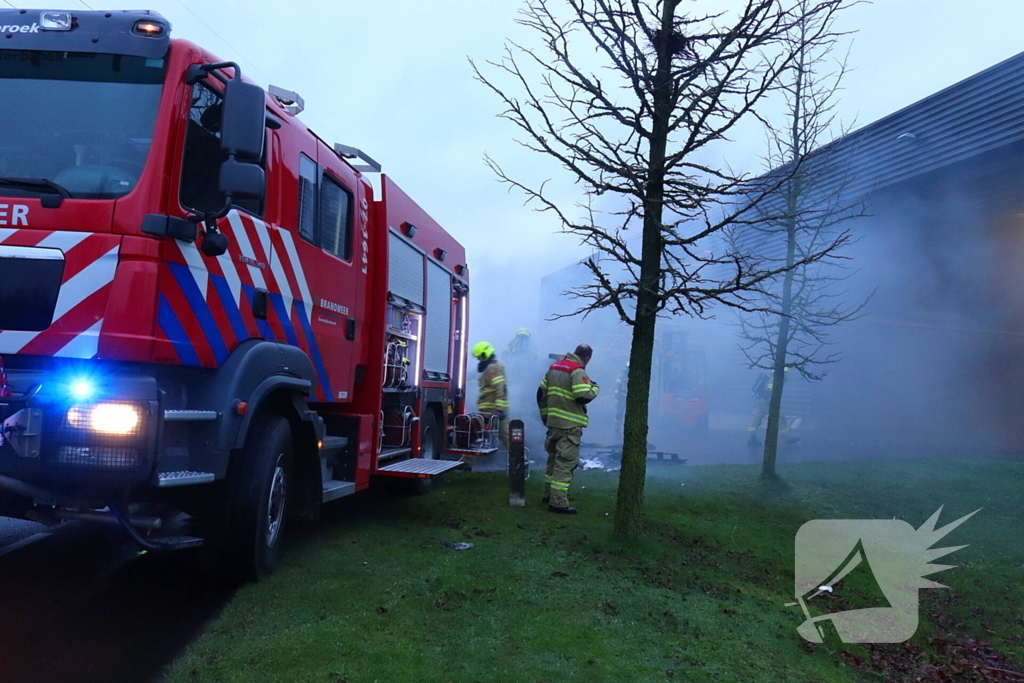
x=493, y=396
x=564, y=393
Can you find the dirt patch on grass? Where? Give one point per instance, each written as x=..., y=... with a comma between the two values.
x=949, y=658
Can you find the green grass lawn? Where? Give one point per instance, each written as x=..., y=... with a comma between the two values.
x=370, y=594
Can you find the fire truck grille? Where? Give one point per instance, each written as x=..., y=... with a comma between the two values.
x=70, y=441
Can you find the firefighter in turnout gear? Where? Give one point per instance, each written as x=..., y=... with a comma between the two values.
x=762, y=391
x=619, y=391
x=493, y=396
x=562, y=397
x=519, y=347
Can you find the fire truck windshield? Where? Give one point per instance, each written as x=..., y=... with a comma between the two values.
x=81, y=121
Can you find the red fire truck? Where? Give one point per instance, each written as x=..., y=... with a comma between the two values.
x=210, y=320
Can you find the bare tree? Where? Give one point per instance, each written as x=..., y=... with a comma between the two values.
x=790, y=329
x=636, y=133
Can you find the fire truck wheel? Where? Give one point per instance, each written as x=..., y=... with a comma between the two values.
x=247, y=537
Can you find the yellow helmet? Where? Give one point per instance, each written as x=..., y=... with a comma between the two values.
x=482, y=350
x=523, y=332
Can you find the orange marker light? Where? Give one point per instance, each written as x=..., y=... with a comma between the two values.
x=149, y=28
x=242, y=407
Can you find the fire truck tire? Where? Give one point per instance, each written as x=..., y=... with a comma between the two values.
x=246, y=537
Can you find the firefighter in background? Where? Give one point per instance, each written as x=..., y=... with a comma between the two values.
x=762, y=391
x=523, y=366
x=493, y=396
x=519, y=348
x=621, y=384
x=562, y=397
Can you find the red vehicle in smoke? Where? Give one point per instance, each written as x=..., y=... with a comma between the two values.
x=205, y=309
x=683, y=401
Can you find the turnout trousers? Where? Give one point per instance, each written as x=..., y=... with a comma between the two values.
x=563, y=447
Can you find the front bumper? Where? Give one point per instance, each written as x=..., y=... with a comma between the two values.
x=52, y=438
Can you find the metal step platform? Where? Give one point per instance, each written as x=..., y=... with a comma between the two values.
x=392, y=452
x=419, y=467
x=176, y=542
x=335, y=489
x=190, y=415
x=183, y=478
x=332, y=445
x=470, y=451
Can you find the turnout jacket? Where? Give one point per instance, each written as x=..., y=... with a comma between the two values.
x=493, y=397
x=564, y=393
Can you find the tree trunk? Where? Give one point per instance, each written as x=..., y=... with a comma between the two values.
x=771, y=437
x=630, y=499
x=793, y=191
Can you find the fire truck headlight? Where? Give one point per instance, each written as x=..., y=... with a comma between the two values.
x=106, y=418
x=55, y=21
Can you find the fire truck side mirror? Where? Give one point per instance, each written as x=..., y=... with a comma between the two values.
x=243, y=123
x=241, y=180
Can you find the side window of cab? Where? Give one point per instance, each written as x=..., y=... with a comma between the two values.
x=335, y=218
x=200, y=168
x=325, y=210
x=308, y=190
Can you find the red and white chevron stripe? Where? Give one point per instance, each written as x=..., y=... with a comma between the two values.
x=90, y=263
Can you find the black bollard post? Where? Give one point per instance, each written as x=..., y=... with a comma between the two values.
x=516, y=465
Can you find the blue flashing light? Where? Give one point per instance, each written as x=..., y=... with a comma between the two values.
x=82, y=390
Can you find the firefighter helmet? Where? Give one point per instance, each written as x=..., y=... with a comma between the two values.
x=482, y=350
x=523, y=332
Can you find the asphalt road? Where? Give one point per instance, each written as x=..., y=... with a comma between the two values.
x=79, y=605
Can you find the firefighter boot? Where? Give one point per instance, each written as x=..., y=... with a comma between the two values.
x=562, y=510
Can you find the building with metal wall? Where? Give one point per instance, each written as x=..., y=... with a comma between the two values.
x=936, y=364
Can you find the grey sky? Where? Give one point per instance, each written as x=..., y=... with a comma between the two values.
x=392, y=79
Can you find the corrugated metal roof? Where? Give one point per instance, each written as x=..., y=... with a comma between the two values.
x=979, y=114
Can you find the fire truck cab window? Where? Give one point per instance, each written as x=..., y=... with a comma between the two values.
x=334, y=218
x=307, y=198
x=200, y=169
x=82, y=121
